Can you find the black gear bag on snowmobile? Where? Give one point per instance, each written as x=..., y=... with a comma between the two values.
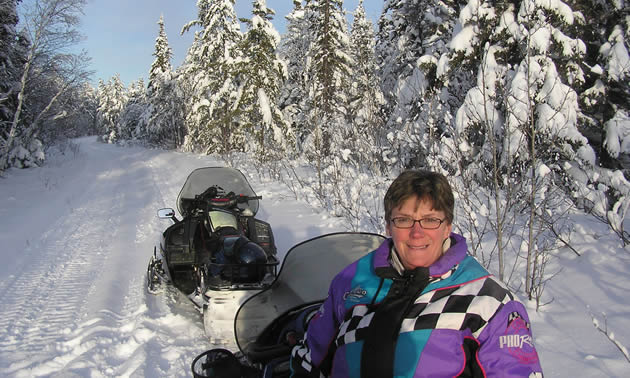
x=219, y=251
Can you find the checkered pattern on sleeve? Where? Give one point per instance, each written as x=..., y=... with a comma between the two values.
x=301, y=356
x=355, y=326
x=469, y=306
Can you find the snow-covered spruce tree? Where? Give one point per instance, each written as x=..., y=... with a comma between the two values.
x=163, y=55
x=543, y=109
x=164, y=114
x=132, y=123
x=387, y=50
x=366, y=99
x=293, y=49
x=8, y=39
x=615, y=60
x=261, y=73
x=518, y=127
x=606, y=94
x=605, y=103
x=411, y=38
x=112, y=98
x=12, y=58
x=48, y=35
x=158, y=74
x=328, y=72
x=477, y=132
x=210, y=118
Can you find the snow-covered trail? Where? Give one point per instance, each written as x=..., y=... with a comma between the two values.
x=77, y=235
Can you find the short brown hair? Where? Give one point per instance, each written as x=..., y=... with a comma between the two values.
x=426, y=185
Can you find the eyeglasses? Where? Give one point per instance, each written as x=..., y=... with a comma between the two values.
x=425, y=223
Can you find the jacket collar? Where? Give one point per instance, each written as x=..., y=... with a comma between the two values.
x=453, y=256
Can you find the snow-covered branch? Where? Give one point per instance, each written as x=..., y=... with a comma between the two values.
x=610, y=335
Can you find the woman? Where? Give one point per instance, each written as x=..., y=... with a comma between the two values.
x=419, y=305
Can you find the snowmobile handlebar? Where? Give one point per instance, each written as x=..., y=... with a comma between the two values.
x=217, y=197
x=231, y=200
x=243, y=198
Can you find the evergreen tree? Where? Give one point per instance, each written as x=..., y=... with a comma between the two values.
x=112, y=98
x=387, y=51
x=525, y=60
x=516, y=131
x=364, y=113
x=11, y=62
x=166, y=123
x=8, y=48
x=261, y=73
x=605, y=100
x=210, y=119
x=328, y=72
x=294, y=48
x=603, y=188
x=412, y=37
x=132, y=123
x=164, y=115
x=163, y=55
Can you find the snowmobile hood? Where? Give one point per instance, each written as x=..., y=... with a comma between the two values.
x=229, y=179
x=306, y=273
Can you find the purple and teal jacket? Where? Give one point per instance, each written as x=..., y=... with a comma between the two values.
x=451, y=319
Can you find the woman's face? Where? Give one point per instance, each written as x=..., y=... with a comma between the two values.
x=416, y=246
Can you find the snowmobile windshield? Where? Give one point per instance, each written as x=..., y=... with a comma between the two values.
x=228, y=179
x=305, y=276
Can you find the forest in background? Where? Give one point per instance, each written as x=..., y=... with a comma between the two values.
x=523, y=104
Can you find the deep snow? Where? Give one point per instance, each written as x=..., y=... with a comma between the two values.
x=76, y=236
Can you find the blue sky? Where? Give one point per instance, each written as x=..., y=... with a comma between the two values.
x=120, y=34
